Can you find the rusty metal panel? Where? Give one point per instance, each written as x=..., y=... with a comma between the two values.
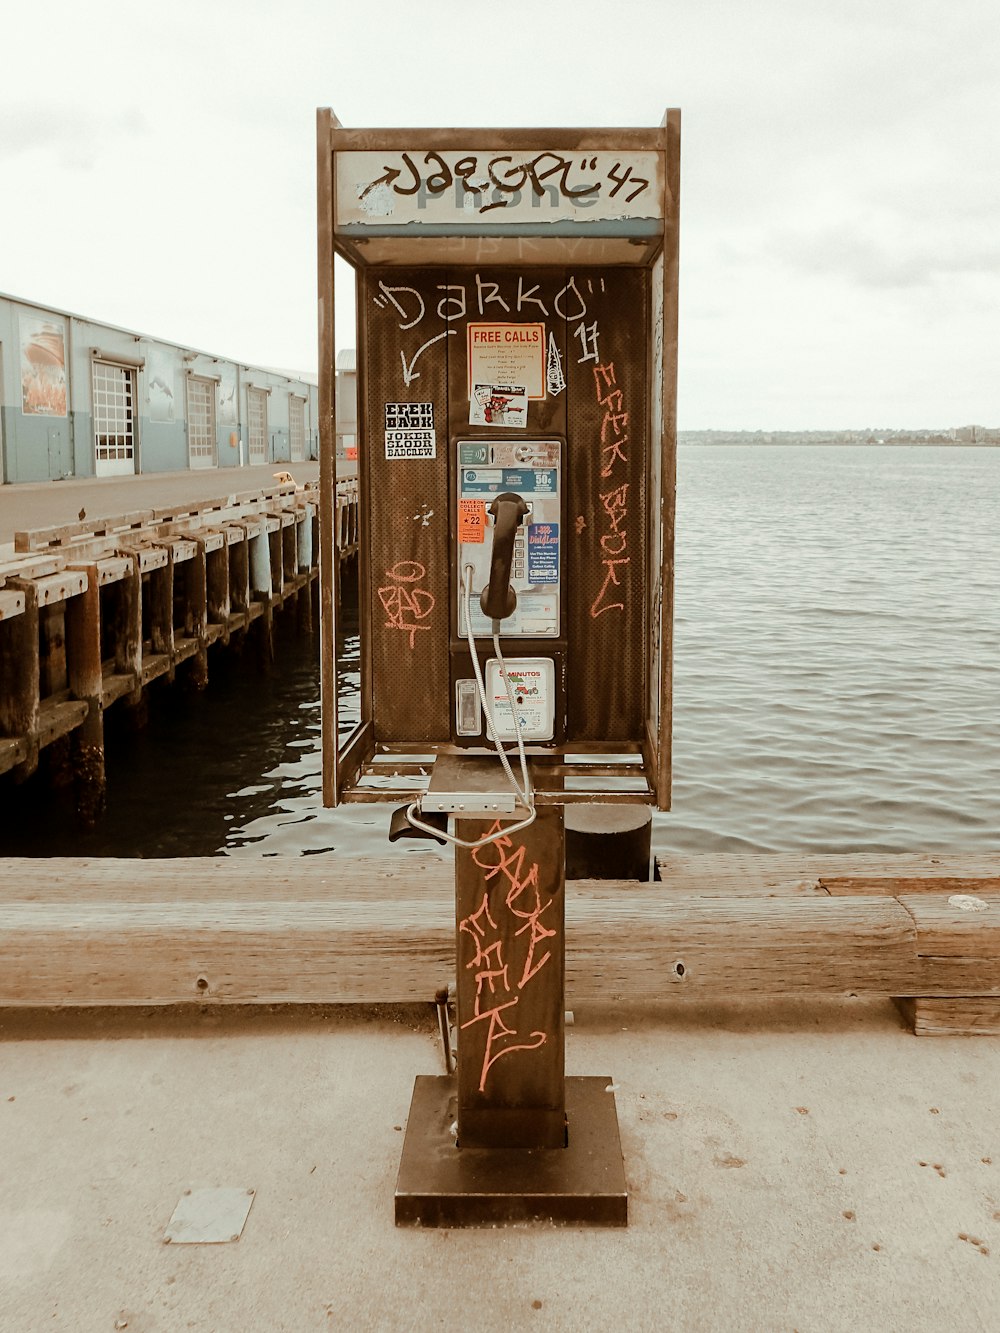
x=606, y=478
x=596, y=338
x=406, y=509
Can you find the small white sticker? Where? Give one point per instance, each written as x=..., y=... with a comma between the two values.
x=555, y=380
x=410, y=444
x=498, y=405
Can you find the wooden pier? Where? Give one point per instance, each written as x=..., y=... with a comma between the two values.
x=92, y=612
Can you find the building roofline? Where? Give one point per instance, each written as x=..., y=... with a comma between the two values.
x=301, y=377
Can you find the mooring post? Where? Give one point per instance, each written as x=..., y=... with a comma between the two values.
x=606, y=841
x=86, y=681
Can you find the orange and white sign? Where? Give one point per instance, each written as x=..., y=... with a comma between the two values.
x=508, y=354
x=472, y=521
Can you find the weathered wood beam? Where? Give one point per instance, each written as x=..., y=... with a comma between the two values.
x=795, y=873
x=248, y=930
x=944, y=1016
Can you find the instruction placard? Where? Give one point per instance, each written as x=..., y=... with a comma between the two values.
x=409, y=430
x=543, y=553
x=508, y=354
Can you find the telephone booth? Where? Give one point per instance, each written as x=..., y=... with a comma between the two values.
x=516, y=381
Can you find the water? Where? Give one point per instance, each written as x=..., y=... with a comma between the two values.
x=838, y=649
x=837, y=682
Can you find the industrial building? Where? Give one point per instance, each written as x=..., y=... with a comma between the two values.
x=80, y=398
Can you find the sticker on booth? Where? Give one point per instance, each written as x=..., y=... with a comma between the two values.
x=543, y=552
x=409, y=430
x=472, y=522
x=508, y=354
x=498, y=405
x=410, y=444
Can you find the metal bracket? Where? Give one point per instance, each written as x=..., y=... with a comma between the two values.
x=468, y=786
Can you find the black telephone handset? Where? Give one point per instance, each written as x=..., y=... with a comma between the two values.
x=499, y=600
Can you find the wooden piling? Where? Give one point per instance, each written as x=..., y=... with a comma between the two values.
x=196, y=613
x=239, y=573
x=128, y=629
x=52, y=649
x=137, y=596
x=217, y=586
x=86, y=682
x=20, y=680
x=161, y=612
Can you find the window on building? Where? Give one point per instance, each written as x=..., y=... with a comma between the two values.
x=201, y=422
x=296, y=427
x=257, y=424
x=114, y=418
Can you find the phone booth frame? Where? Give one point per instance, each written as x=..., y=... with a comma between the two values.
x=451, y=232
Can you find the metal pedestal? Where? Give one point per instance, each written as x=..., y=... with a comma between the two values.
x=443, y=1185
x=509, y=1138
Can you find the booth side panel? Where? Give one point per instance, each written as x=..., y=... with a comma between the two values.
x=607, y=423
x=407, y=506
x=655, y=493
x=671, y=230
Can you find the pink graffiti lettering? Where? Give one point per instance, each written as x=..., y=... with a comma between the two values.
x=496, y=999
x=406, y=606
x=610, y=580
x=614, y=438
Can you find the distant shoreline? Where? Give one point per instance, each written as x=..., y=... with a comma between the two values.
x=765, y=439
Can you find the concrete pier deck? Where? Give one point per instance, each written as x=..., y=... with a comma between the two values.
x=792, y=1166
x=42, y=504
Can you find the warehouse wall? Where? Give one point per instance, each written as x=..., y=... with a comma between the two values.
x=47, y=405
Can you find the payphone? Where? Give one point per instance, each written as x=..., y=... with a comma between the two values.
x=517, y=311
x=532, y=471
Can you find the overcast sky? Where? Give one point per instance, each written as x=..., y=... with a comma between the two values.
x=840, y=198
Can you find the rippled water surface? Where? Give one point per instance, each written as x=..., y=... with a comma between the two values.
x=838, y=649
x=837, y=681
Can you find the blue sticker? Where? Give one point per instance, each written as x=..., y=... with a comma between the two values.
x=543, y=552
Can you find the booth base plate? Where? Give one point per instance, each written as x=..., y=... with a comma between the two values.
x=583, y=1184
